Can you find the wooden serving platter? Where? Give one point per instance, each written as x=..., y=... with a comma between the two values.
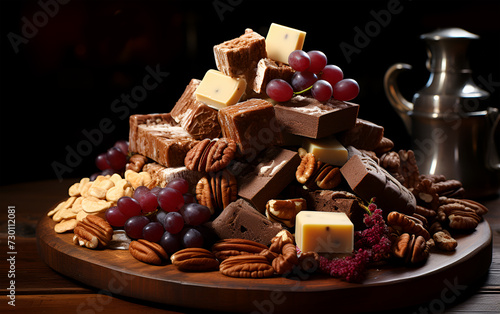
x=442, y=278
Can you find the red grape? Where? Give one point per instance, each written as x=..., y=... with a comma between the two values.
x=332, y=74
x=102, y=162
x=173, y=222
x=170, y=200
x=299, y=60
x=117, y=160
x=134, y=225
x=192, y=238
x=279, y=90
x=318, y=61
x=346, y=89
x=195, y=214
x=122, y=145
x=139, y=192
x=189, y=198
x=115, y=217
x=149, y=202
x=303, y=80
x=180, y=184
x=129, y=207
x=153, y=231
x=322, y=90
x=171, y=243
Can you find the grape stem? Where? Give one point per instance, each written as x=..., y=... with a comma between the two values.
x=303, y=91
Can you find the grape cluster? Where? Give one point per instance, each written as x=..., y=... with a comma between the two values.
x=312, y=73
x=113, y=160
x=169, y=216
x=371, y=245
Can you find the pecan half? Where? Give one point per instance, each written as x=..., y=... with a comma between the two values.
x=411, y=249
x=93, y=232
x=226, y=248
x=426, y=195
x=217, y=190
x=306, y=168
x=404, y=224
x=286, y=260
x=459, y=216
x=136, y=162
x=246, y=266
x=444, y=241
x=148, y=252
x=194, y=259
x=316, y=174
x=285, y=211
x=210, y=155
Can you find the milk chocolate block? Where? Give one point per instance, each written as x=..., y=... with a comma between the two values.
x=338, y=201
x=159, y=137
x=270, y=173
x=239, y=57
x=364, y=135
x=198, y=119
x=268, y=70
x=308, y=117
x=367, y=179
x=240, y=220
x=251, y=124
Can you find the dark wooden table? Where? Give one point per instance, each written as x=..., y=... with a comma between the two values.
x=39, y=287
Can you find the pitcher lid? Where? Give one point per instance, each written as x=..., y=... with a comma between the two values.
x=449, y=33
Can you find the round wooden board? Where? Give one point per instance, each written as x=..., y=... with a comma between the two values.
x=441, y=278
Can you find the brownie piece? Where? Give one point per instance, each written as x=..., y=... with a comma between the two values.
x=271, y=172
x=240, y=220
x=268, y=70
x=338, y=201
x=159, y=137
x=367, y=179
x=252, y=125
x=364, y=135
x=198, y=119
x=306, y=116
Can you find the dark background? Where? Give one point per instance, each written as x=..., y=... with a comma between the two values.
x=64, y=79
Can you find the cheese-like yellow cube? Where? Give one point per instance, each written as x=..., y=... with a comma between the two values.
x=282, y=40
x=218, y=90
x=324, y=232
x=327, y=149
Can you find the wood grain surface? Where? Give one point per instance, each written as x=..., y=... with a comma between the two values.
x=464, y=284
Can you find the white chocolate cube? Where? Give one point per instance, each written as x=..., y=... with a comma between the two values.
x=282, y=40
x=217, y=90
x=327, y=149
x=324, y=232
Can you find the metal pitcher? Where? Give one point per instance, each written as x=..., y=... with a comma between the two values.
x=452, y=128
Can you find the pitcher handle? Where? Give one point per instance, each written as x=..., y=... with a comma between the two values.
x=492, y=152
x=398, y=102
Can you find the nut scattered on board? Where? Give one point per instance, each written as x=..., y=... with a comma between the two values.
x=404, y=224
x=93, y=232
x=412, y=249
x=226, y=248
x=148, y=252
x=246, y=266
x=89, y=197
x=194, y=259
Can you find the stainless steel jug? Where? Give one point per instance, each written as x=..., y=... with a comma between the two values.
x=452, y=128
